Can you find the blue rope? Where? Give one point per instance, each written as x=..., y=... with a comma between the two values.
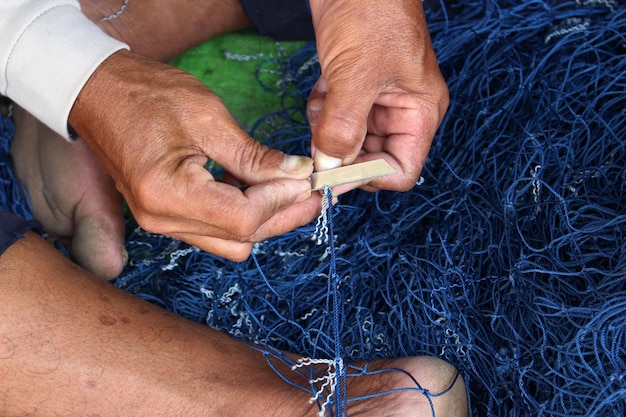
x=508, y=260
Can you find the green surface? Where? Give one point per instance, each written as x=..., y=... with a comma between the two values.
x=229, y=64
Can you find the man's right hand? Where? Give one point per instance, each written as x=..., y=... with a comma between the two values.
x=155, y=127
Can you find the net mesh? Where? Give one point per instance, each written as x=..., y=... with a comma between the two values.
x=508, y=259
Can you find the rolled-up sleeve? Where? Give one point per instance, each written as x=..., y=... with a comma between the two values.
x=48, y=51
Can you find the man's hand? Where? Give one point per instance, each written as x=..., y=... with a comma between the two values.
x=155, y=127
x=381, y=94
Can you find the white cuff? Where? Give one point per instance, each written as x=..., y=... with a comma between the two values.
x=51, y=62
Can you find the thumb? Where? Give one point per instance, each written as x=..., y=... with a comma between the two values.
x=338, y=109
x=253, y=163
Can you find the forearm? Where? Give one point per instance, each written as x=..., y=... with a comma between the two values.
x=50, y=48
x=162, y=29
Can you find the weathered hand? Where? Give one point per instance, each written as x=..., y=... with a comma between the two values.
x=381, y=94
x=155, y=127
x=71, y=195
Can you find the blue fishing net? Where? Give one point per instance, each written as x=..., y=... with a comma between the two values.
x=508, y=259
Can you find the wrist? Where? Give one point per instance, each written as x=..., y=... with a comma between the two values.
x=91, y=105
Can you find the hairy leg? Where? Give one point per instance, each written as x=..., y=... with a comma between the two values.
x=74, y=345
x=72, y=195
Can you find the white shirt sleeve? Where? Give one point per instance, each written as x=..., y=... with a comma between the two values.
x=48, y=51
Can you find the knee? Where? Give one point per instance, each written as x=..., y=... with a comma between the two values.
x=445, y=385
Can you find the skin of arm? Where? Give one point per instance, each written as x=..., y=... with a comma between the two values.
x=163, y=29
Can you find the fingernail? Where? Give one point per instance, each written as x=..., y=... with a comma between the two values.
x=321, y=85
x=313, y=110
x=297, y=164
x=324, y=162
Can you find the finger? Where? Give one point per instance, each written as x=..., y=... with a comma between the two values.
x=235, y=250
x=341, y=125
x=252, y=162
x=230, y=179
x=316, y=102
x=403, y=152
x=203, y=206
x=294, y=216
x=224, y=248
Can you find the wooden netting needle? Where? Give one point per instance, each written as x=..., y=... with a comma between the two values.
x=351, y=173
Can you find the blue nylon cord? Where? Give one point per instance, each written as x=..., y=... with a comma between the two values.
x=508, y=260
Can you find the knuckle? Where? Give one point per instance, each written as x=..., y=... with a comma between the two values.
x=254, y=155
x=147, y=222
x=342, y=132
x=148, y=205
x=246, y=226
x=406, y=184
x=146, y=195
x=444, y=99
x=241, y=253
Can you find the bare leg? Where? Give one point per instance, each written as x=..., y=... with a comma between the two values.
x=74, y=345
x=163, y=29
x=72, y=195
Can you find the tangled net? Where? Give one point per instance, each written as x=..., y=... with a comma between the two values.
x=508, y=260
